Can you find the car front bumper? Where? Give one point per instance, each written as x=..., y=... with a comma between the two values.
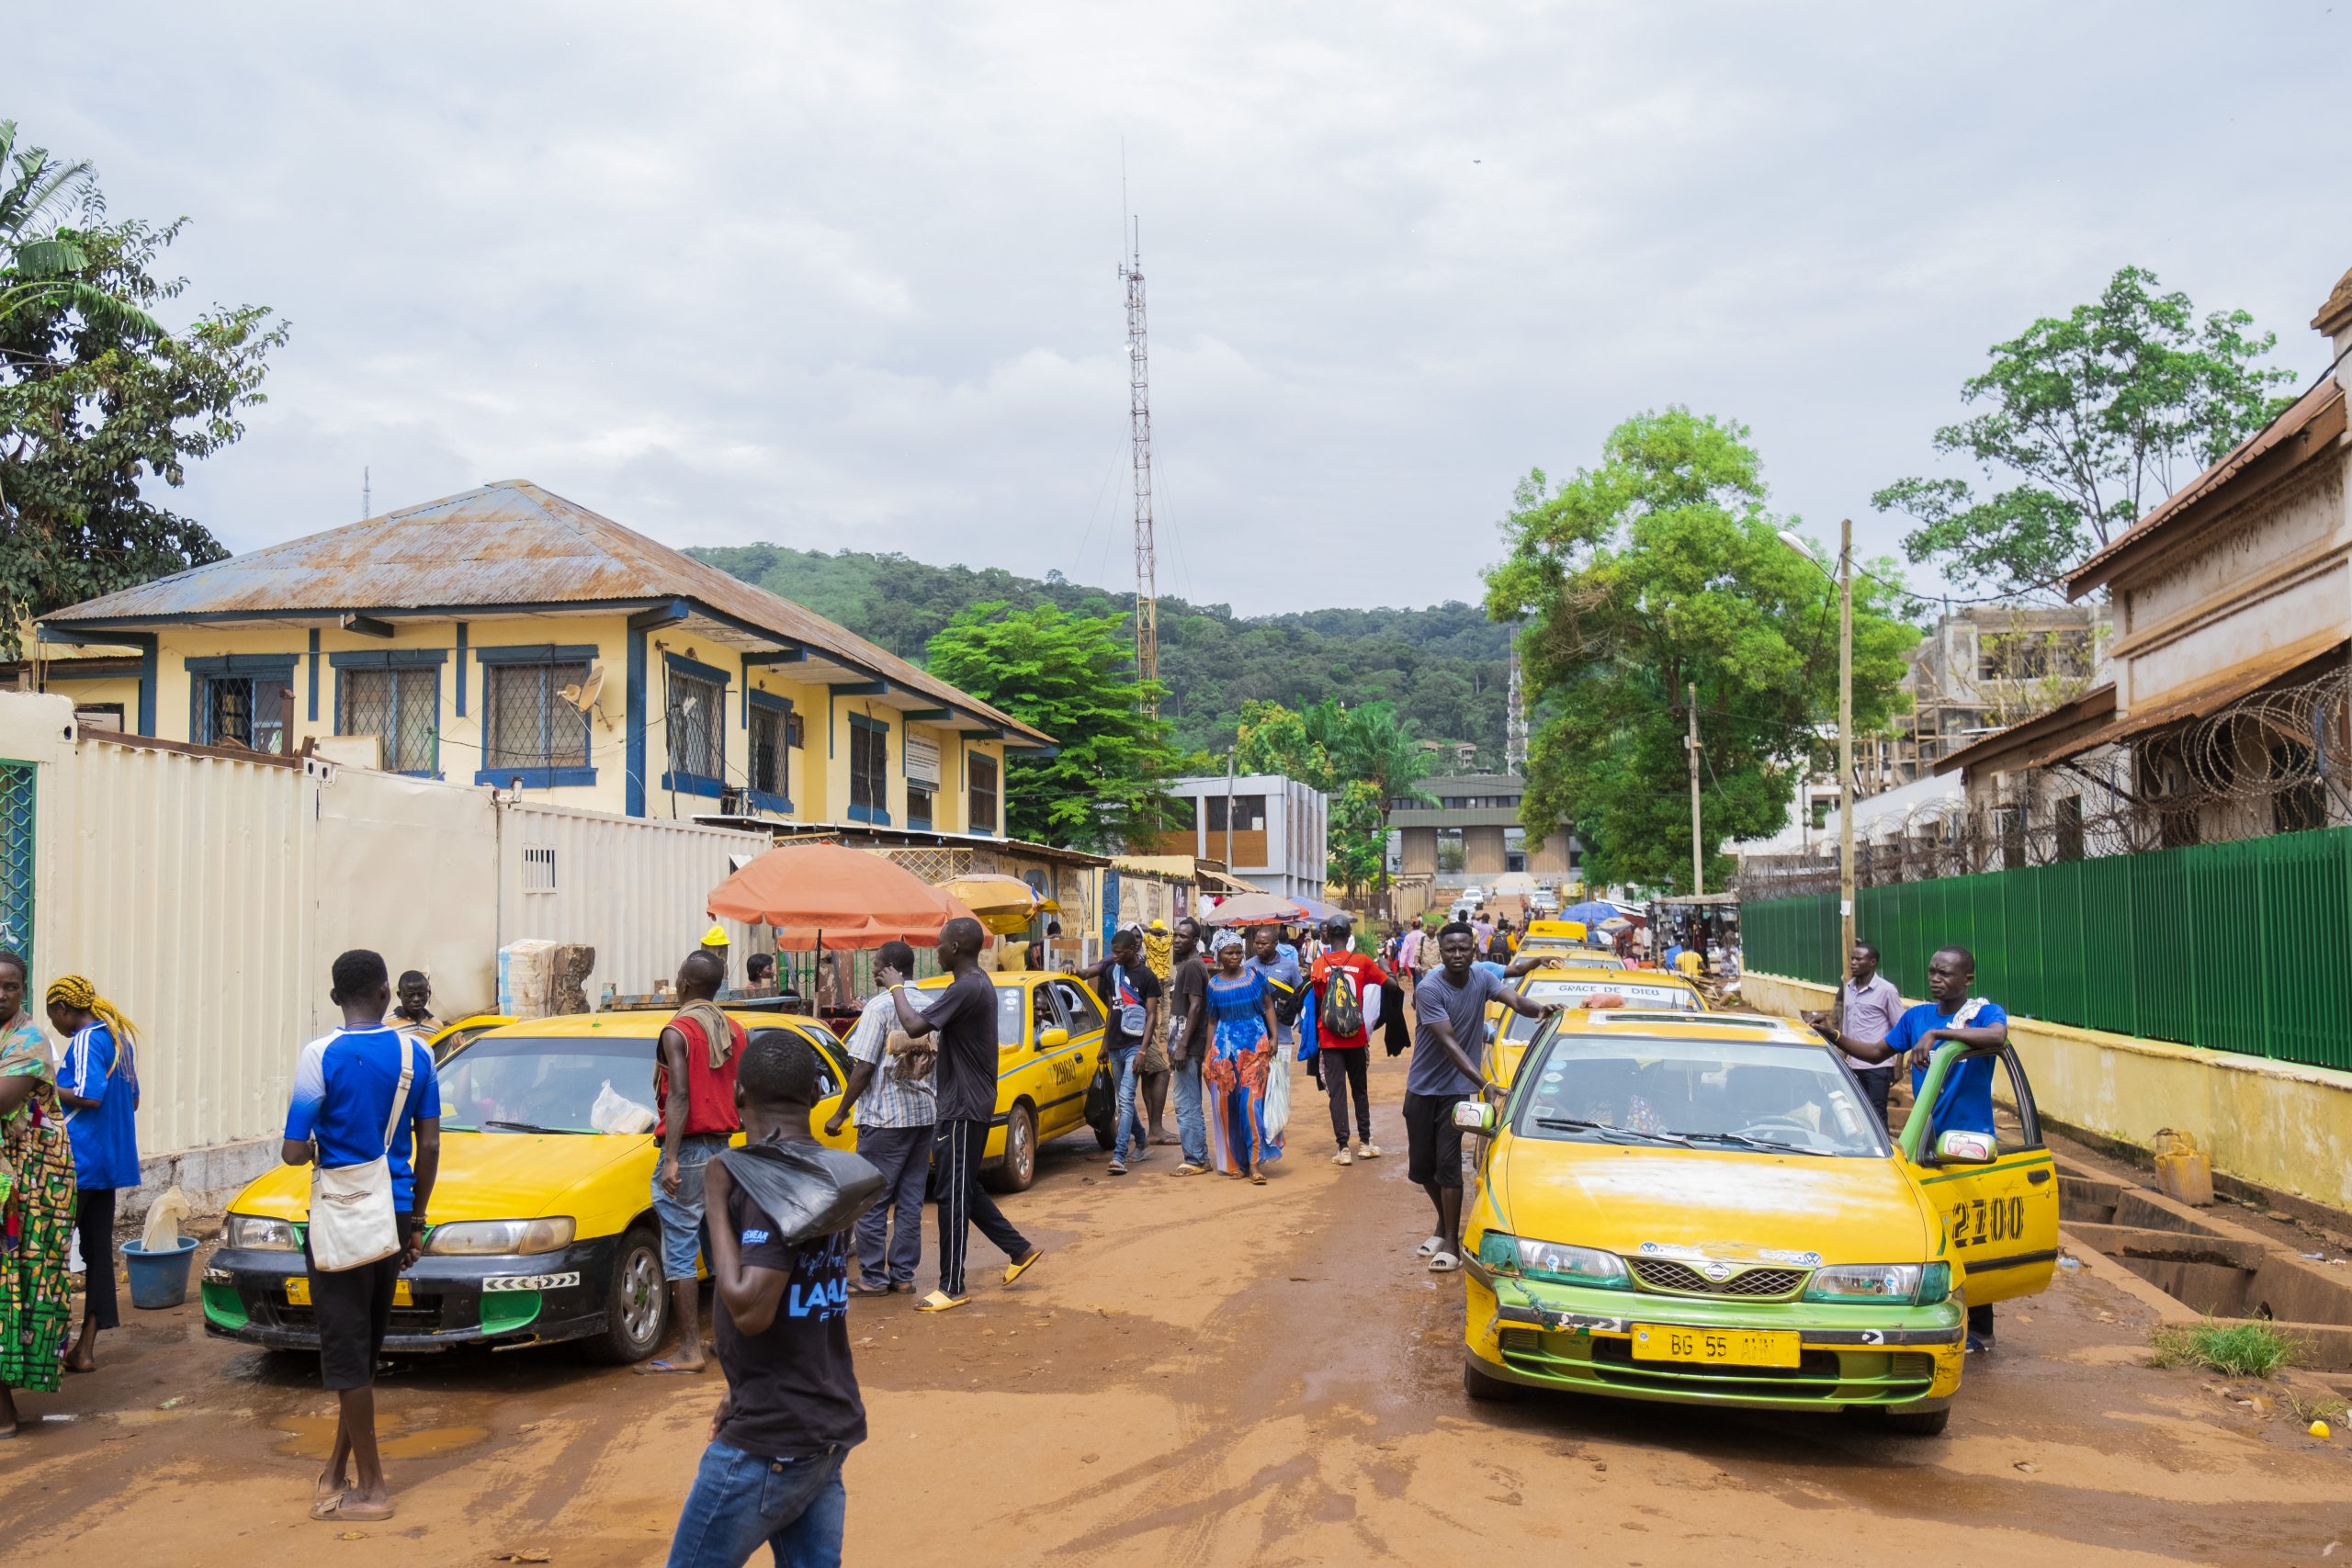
x=1565, y=1336
x=257, y=1297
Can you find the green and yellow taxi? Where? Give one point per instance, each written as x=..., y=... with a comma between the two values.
x=1574, y=984
x=540, y=1227
x=1049, y=1031
x=1701, y=1208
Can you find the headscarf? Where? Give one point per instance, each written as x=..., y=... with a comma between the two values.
x=76, y=992
x=1226, y=937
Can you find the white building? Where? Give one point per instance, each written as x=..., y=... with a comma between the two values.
x=1271, y=831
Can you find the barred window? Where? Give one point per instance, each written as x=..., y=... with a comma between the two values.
x=919, y=797
x=245, y=710
x=770, y=765
x=402, y=707
x=869, y=770
x=981, y=796
x=528, y=724
x=697, y=727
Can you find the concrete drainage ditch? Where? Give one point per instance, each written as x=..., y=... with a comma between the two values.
x=2208, y=1265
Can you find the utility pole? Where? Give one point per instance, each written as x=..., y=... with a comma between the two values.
x=1140, y=423
x=1846, y=742
x=1698, y=856
x=366, y=495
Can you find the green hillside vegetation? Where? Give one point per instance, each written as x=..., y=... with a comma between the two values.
x=1443, y=667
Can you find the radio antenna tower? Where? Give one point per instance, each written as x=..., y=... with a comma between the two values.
x=1140, y=422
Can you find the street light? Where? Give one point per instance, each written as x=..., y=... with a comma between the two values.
x=1845, y=576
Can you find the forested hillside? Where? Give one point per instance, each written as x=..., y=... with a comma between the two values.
x=1443, y=667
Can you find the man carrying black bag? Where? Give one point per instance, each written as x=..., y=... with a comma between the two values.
x=780, y=1211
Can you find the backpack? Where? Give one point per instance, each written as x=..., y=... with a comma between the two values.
x=1342, y=1016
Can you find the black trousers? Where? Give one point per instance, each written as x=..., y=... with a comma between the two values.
x=1876, y=1083
x=1344, y=1068
x=963, y=1202
x=93, y=1223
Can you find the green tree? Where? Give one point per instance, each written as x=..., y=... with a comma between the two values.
x=97, y=401
x=1361, y=758
x=1659, y=568
x=2089, y=420
x=1104, y=788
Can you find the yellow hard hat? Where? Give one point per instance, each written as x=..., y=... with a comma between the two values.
x=1160, y=925
x=714, y=937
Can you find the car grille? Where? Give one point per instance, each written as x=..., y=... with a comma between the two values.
x=1757, y=1283
x=1858, y=1376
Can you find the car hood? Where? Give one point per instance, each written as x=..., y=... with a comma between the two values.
x=1729, y=1204
x=483, y=1176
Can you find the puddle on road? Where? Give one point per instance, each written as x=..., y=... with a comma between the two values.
x=312, y=1437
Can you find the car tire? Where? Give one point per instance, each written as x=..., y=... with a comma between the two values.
x=1918, y=1422
x=1018, y=1168
x=637, y=1302
x=1479, y=1384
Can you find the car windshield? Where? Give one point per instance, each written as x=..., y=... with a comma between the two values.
x=517, y=1083
x=1712, y=1094
x=1601, y=992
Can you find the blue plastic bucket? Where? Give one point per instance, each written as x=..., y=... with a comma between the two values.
x=159, y=1278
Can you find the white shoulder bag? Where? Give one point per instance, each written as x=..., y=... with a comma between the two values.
x=352, y=1220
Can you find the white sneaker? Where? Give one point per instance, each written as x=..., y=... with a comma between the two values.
x=1367, y=1151
x=1343, y=1157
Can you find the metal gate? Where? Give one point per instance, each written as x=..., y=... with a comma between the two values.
x=17, y=857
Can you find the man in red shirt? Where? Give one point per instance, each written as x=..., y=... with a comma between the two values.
x=1344, y=991
x=693, y=1090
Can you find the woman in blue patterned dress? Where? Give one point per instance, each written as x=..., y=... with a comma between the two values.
x=1233, y=1077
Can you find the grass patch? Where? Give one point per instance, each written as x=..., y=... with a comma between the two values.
x=2233, y=1350
x=2310, y=1407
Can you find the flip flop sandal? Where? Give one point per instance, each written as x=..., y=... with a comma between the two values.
x=939, y=1300
x=656, y=1369
x=1015, y=1270
x=340, y=1507
x=860, y=1288
x=1257, y=1178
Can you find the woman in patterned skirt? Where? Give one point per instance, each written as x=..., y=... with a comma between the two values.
x=1233, y=1076
x=37, y=1218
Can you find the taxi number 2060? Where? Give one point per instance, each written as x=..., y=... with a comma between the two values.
x=1981, y=1220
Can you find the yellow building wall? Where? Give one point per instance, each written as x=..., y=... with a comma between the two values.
x=2280, y=1124
x=817, y=770
x=88, y=690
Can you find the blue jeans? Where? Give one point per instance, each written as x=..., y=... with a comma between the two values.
x=681, y=1216
x=1123, y=1073
x=740, y=1502
x=1192, y=1127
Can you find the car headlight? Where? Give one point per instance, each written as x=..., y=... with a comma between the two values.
x=1557, y=1261
x=474, y=1238
x=1906, y=1282
x=260, y=1235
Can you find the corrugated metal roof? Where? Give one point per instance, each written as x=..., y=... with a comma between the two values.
x=2302, y=414
x=506, y=544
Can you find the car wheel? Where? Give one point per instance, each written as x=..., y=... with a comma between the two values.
x=1477, y=1384
x=637, y=1302
x=1919, y=1423
x=1019, y=1166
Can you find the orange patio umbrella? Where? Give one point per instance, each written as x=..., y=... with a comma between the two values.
x=833, y=897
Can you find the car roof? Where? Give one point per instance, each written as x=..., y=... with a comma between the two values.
x=1655, y=1023
x=1612, y=976
x=1005, y=978
x=633, y=1023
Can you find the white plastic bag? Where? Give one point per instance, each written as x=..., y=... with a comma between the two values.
x=163, y=1216
x=617, y=1112
x=1276, y=1115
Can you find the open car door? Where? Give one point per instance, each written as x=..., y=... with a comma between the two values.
x=1997, y=1190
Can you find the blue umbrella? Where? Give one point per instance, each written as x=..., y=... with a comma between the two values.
x=1591, y=912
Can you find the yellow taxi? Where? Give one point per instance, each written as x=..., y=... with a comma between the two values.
x=540, y=1227
x=1577, y=984
x=1049, y=1032
x=1701, y=1208
x=444, y=1041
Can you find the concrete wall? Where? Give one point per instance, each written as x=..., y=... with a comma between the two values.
x=2276, y=1123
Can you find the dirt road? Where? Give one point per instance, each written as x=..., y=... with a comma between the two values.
x=1201, y=1373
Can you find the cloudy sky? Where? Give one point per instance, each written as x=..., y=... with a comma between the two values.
x=844, y=276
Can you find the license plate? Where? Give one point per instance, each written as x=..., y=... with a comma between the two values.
x=297, y=1291
x=1720, y=1347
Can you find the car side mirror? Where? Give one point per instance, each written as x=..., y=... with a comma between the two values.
x=1494, y=1027
x=1052, y=1039
x=1961, y=1147
x=1475, y=1115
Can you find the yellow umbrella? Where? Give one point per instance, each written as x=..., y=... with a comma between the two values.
x=1000, y=903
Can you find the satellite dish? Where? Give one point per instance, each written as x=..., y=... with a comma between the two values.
x=584, y=694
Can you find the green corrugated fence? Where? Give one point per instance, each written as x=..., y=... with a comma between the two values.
x=2241, y=946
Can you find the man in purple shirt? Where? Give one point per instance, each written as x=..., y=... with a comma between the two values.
x=1868, y=1007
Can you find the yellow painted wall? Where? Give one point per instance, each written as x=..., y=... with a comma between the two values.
x=817, y=770
x=2282, y=1125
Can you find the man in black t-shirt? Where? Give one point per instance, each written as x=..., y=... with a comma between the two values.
x=773, y=1471
x=964, y=1017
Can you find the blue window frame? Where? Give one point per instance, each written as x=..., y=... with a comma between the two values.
x=869, y=769
x=767, y=764
x=242, y=699
x=529, y=732
x=394, y=694
x=694, y=726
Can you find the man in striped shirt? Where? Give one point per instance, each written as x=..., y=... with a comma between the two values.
x=897, y=1104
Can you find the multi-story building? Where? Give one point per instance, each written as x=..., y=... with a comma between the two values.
x=507, y=637
x=1271, y=831
x=1473, y=834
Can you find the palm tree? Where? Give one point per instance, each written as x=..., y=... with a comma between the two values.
x=40, y=259
x=1371, y=744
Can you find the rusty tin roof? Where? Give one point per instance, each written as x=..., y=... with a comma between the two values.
x=508, y=546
